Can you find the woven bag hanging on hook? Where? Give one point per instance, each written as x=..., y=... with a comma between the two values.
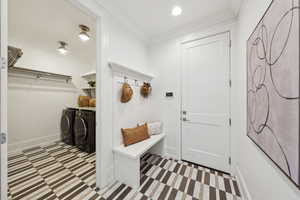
x=146, y=89
x=127, y=93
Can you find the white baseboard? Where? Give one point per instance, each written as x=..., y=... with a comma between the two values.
x=242, y=184
x=15, y=147
x=108, y=176
x=171, y=153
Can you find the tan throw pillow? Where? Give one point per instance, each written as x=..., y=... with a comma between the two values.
x=135, y=135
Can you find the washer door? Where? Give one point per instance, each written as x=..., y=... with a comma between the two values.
x=80, y=131
x=65, y=127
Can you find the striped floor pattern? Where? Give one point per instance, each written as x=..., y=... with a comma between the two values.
x=61, y=172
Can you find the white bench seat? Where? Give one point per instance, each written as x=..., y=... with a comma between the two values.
x=127, y=159
x=138, y=149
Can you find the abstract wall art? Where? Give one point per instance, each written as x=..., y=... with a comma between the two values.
x=273, y=86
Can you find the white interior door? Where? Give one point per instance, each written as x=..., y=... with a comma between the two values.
x=206, y=102
x=3, y=99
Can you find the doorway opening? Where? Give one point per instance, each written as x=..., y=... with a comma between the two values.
x=205, y=125
x=51, y=98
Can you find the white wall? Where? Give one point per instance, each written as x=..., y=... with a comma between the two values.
x=128, y=115
x=34, y=111
x=116, y=43
x=262, y=178
x=165, y=59
x=255, y=171
x=125, y=48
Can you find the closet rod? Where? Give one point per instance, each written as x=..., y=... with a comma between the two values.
x=38, y=74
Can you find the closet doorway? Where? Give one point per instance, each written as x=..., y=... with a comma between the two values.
x=58, y=64
x=206, y=102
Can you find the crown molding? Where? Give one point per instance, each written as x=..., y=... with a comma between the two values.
x=118, y=15
x=195, y=26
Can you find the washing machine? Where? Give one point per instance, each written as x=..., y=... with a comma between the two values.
x=66, y=125
x=85, y=130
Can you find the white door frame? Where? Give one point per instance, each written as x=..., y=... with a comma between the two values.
x=196, y=38
x=3, y=99
x=104, y=176
x=103, y=123
x=85, y=7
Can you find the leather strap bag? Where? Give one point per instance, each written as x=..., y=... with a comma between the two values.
x=146, y=89
x=127, y=93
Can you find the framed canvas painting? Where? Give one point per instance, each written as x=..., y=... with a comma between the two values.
x=273, y=86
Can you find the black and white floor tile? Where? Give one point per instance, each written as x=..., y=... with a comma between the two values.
x=61, y=172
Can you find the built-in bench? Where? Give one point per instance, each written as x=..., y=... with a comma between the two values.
x=127, y=159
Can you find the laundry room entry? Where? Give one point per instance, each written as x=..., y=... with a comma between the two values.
x=51, y=75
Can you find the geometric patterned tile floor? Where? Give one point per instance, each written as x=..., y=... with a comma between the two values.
x=61, y=172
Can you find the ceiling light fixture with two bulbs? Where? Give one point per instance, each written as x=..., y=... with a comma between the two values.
x=62, y=49
x=83, y=35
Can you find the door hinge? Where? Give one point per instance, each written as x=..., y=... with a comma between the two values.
x=3, y=63
x=229, y=121
x=184, y=119
x=229, y=160
x=230, y=83
x=3, y=138
x=229, y=43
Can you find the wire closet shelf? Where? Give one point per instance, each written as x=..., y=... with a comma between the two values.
x=38, y=74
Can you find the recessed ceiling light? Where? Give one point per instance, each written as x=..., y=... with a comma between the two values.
x=83, y=35
x=176, y=11
x=62, y=48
